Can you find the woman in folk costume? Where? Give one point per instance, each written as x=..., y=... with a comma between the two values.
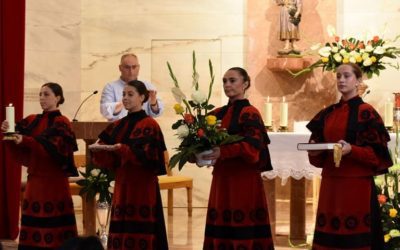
x=135, y=150
x=45, y=144
x=348, y=210
x=237, y=216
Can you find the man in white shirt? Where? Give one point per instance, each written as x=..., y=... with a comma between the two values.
x=111, y=106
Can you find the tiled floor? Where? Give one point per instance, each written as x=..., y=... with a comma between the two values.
x=185, y=233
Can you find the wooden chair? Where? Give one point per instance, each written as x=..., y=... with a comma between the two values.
x=171, y=182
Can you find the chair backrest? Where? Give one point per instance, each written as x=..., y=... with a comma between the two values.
x=166, y=159
x=80, y=160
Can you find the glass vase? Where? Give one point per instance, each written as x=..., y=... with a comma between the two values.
x=103, y=209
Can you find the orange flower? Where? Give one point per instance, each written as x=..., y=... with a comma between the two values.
x=189, y=119
x=382, y=199
x=375, y=39
x=361, y=45
x=337, y=39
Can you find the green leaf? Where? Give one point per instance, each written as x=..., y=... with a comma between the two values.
x=210, y=107
x=175, y=159
x=82, y=182
x=177, y=124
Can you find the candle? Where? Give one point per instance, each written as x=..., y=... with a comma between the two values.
x=268, y=113
x=284, y=113
x=10, y=117
x=388, y=120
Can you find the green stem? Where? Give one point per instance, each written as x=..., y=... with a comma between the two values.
x=210, y=66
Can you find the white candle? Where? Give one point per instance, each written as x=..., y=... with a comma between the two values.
x=268, y=113
x=284, y=113
x=10, y=117
x=388, y=120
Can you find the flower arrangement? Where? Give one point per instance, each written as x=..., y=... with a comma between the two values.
x=389, y=200
x=197, y=129
x=97, y=181
x=370, y=55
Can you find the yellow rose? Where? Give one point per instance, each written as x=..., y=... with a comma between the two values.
x=211, y=119
x=179, y=109
x=346, y=60
x=373, y=59
x=324, y=59
x=392, y=212
x=359, y=59
x=387, y=237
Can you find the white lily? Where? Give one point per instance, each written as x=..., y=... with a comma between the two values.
x=325, y=51
x=95, y=172
x=367, y=62
x=379, y=50
x=338, y=58
x=199, y=97
x=178, y=94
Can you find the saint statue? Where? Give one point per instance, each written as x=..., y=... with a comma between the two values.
x=290, y=17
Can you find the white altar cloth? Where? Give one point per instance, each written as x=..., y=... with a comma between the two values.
x=287, y=161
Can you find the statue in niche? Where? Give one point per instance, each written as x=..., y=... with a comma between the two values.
x=290, y=17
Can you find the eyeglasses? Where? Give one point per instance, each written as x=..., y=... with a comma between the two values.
x=130, y=66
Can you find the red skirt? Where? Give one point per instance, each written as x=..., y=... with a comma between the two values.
x=348, y=215
x=48, y=217
x=237, y=216
x=137, y=220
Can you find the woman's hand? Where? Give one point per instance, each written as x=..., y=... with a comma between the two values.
x=17, y=138
x=346, y=147
x=214, y=155
x=114, y=147
x=314, y=152
x=4, y=126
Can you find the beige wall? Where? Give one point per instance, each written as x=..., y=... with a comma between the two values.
x=79, y=44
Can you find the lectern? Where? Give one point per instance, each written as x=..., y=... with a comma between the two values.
x=88, y=131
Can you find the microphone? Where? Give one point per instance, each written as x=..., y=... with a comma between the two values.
x=366, y=93
x=94, y=92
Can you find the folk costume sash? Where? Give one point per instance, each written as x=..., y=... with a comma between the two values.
x=57, y=138
x=242, y=122
x=363, y=124
x=145, y=142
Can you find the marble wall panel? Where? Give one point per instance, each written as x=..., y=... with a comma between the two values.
x=53, y=50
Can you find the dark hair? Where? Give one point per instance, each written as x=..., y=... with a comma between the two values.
x=57, y=90
x=141, y=89
x=244, y=74
x=355, y=68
